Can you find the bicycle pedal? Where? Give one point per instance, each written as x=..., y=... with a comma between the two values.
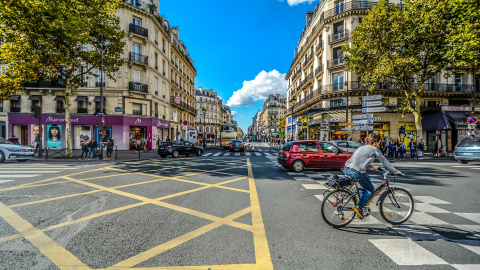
x=366, y=211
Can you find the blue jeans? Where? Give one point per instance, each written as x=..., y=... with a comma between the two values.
x=366, y=191
x=91, y=151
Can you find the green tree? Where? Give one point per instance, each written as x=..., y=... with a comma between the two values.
x=47, y=40
x=405, y=46
x=281, y=127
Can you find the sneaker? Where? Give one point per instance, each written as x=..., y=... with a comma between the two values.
x=359, y=212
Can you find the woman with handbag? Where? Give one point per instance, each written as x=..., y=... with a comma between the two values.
x=438, y=148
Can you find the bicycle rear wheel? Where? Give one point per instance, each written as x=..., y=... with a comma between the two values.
x=397, y=206
x=337, y=208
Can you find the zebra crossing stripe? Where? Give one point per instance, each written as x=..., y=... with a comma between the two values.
x=247, y=153
x=406, y=252
x=472, y=245
x=19, y=175
x=207, y=154
x=418, y=233
x=217, y=154
x=314, y=186
x=268, y=154
x=5, y=181
x=237, y=154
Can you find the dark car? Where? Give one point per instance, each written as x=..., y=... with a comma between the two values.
x=468, y=150
x=236, y=145
x=312, y=154
x=176, y=148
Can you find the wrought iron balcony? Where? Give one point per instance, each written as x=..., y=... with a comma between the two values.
x=82, y=110
x=137, y=112
x=138, y=30
x=53, y=84
x=15, y=109
x=335, y=62
x=97, y=84
x=339, y=36
x=138, y=58
x=60, y=110
x=319, y=69
x=138, y=87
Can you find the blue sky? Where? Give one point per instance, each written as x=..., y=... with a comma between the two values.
x=240, y=46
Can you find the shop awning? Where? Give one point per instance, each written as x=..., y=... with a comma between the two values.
x=435, y=122
x=457, y=119
x=15, y=97
x=97, y=99
x=35, y=97
x=59, y=98
x=81, y=98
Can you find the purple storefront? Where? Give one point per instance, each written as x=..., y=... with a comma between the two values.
x=124, y=130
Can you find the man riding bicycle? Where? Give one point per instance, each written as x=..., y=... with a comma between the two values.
x=357, y=165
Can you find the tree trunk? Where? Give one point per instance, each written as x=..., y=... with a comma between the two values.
x=68, y=133
x=418, y=118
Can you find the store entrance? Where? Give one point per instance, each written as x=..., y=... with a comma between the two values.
x=136, y=133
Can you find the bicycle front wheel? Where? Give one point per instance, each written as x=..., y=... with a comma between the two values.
x=337, y=208
x=397, y=206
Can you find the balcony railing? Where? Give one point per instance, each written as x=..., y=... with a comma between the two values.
x=137, y=112
x=335, y=62
x=82, y=110
x=319, y=47
x=138, y=30
x=138, y=87
x=319, y=69
x=183, y=105
x=97, y=84
x=15, y=109
x=55, y=84
x=138, y=58
x=338, y=36
x=60, y=110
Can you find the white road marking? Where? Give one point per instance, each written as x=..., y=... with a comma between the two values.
x=430, y=199
x=303, y=179
x=237, y=154
x=367, y=220
x=257, y=154
x=320, y=197
x=5, y=181
x=30, y=172
x=207, y=154
x=417, y=232
x=475, y=229
x=19, y=175
x=247, y=153
x=295, y=173
x=428, y=208
x=466, y=266
x=406, y=252
x=314, y=186
x=217, y=154
x=471, y=216
x=472, y=245
x=268, y=154
x=426, y=219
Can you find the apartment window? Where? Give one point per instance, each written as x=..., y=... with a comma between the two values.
x=156, y=86
x=339, y=7
x=83, y=70
x=164, y=112
x=164, y=88
x=338, y=32
x=156, y=37
x=137, y=76
x=163, y=67
x=200, y=99
x=35, y=103
x=83, y=103
x=156, y=61
x=201, y=106
x=60, y=106
x=137, y=109
x=136, y=21
x=171, y=56
x=163, y=44
x=156, y=109
x=137, y=49
x=337, y=81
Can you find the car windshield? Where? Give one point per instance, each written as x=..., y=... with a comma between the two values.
x=229, y=129
x=354, y=144
x=470, y=143
x=3, y=141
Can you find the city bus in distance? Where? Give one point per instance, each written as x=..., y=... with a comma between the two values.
x=229, y=133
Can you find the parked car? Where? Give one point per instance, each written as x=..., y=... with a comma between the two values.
x=349, y=146
x=312, y=154
x=236, y=145
x=467, y=150
x=176, y=148
x=10, y=151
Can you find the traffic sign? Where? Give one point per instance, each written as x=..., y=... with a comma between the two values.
x=472, y=126
x=346, y=129
x=363, y=122
x=346, y=124
x=362, y=116
x=185, y=122
x=363, y=128
x=100, y=114
x=472, y=120
x=374, y=109
x=103, y=121
x=299, y=123
x=372, y=104
x=374, y=97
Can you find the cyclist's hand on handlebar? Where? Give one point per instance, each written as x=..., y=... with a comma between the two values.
x=375, y=168
x=399, y=173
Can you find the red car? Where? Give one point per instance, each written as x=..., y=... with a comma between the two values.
x=312, y=154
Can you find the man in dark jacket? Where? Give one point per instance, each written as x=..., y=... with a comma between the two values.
x=421, y=149
x=413, y=149
x=84, y=147
x=91, y=148
x=109, y=148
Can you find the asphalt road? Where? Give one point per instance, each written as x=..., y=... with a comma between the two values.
x=226, y=211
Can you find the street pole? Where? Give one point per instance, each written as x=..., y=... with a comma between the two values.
x=346, y=84
x=101, y=102
x=473, y=90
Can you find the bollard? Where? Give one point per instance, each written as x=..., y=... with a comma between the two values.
x=46, y=153
x=139, y=152
x=116, y=151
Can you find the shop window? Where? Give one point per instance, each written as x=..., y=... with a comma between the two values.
x=137, y=109
x=340, y=102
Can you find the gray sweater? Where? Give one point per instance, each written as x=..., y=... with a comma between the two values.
x=364, y=156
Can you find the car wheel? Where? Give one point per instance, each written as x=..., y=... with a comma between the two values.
x=163, y=156
x=286, y=167
x=199, y=152
x=187, y=155
x=230, y=150
x=463, y=161
x=22, y=160
x=297, y=166
x=2, y=157
x=175, y=154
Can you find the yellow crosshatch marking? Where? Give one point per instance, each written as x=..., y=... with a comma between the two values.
x=66, y=260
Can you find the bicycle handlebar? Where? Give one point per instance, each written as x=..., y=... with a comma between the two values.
x=382, y=169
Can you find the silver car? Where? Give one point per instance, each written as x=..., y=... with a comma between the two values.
x=467, y=150
x=10, y=151
x=349, y=146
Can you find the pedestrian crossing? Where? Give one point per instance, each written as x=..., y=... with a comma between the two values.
x=13, y=171
x=431, y=222
x=270, y=153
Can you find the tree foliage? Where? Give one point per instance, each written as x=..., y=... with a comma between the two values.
x=408, y=45
x=45, y=40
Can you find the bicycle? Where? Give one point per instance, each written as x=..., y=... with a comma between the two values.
x=396, y=204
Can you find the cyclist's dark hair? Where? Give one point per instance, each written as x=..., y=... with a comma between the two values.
x=372, y=138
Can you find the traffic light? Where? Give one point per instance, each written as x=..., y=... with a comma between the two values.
x=38, y=112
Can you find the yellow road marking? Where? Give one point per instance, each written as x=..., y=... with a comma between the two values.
x=53, y=199
x=132, y=261
x=262, y=251
x=10, y=237
x=196, y=267
x=57, y=254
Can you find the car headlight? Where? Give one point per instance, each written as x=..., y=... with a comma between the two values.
x=13, y=150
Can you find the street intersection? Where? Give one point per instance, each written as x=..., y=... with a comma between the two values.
x=226, y=212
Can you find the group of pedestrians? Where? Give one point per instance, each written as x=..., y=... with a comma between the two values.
x=90, y=149
x=396, y=149
x=140, y=144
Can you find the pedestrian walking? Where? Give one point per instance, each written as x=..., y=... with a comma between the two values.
x=145, y=141
x=92, y=146
x=167, y=139
x=438, y=148
x=421, y=149
x=390, y=149
x=84, y=148
x=109, y=148
x=396, y=148
x=413, y=149
x=401, y=150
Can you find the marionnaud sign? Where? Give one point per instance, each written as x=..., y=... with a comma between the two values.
x=374, y=97
x=363, y=122
x=372, y=103
x=362, y=116
x=374, y=109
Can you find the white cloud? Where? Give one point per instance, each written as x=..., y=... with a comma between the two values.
x=296, y=2
x=265, y=83
x=234, y=113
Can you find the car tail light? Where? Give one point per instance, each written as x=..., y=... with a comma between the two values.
x=168, y=147
x=242, y=144
x=230, y=144
x=287, y=155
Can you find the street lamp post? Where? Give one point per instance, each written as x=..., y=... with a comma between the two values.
x=292, y=102
x=101, y=102
x=204, y=112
